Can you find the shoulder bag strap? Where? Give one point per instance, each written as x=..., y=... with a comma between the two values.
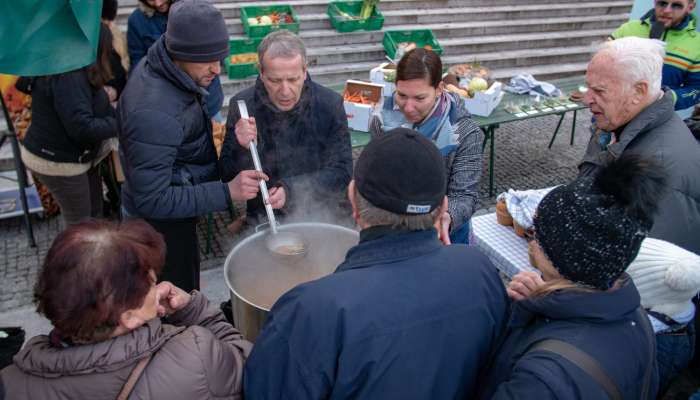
x=582, y=360
x=651, y=337
x=133, y=378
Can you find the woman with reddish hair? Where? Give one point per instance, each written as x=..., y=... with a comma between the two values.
x=98, y=288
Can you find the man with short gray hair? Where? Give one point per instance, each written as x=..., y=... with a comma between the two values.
x=404, y=316
x=626, y=99
x=300, y=127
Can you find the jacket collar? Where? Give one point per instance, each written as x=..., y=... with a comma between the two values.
x=653, y=116
x=391, y=248
x=162, y=64
x=39, y=357
x=595, y=307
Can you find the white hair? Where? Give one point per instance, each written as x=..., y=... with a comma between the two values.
x=637, y=60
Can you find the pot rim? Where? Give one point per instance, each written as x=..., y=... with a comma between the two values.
x=262, y=233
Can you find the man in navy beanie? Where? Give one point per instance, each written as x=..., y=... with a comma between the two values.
x=404, y=316
x=165, y=136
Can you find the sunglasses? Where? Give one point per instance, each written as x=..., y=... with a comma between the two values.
x=675, y=6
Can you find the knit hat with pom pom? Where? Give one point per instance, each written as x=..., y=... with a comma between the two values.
x=666, y=276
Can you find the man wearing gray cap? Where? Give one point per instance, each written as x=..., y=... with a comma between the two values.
x=166, y=146
x=404, y=316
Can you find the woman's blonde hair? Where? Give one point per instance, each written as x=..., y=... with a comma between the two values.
x=556, y=285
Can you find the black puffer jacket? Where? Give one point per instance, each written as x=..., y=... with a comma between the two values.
x=70, y=118
x=306, y=150
x=166, y=145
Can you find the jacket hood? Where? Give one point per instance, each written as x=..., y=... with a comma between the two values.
x=160, y=62
x=688, y=24
x=597, y=307
x=39, y=357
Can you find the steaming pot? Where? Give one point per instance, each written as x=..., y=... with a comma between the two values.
x=257, y=276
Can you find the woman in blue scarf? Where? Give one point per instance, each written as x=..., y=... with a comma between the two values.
x=421, y=103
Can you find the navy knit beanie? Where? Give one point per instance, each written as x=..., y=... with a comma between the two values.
x=592, y=228
x=196, y=32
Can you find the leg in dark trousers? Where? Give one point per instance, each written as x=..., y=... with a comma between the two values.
x=182, y=252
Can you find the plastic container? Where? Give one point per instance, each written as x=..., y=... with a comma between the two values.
x=242, y=70
x=343, y=24
x=421, y=37
x=259, y=31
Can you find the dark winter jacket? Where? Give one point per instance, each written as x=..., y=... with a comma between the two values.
x=144, y=28
x=200, y=356
x=403, y=317
x=306, y=150
x=70, y=118
x=605, y=325
x=166, y=145
x=659, y=133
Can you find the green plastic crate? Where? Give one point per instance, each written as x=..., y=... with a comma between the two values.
x=420, y=37
x=244, y=70
x=343, y=24
x=259, y=31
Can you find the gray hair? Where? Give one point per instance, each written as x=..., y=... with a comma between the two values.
x=372, y=215
x=282, y=43
x=637, y=60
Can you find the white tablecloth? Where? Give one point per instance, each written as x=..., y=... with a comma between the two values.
x=505, y=249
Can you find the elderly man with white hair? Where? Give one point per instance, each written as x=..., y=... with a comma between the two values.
x=635, y=114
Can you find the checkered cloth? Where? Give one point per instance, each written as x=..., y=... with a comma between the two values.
x=507, y=251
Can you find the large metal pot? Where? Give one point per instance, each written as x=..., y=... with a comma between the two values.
x=257, y=276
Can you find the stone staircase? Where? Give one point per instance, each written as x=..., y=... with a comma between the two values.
x=547, y=38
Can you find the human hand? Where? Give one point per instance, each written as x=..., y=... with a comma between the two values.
x=246, y=131
x=245, y=185
x=111, y=93
x=278, y=197
x=443, y=227
x=170, y=298
x=523, y=284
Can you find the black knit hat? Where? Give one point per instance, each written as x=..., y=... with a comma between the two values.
x=402, y=172
x=592, y=228
x=196, y=32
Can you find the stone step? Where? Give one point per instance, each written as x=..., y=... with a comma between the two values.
x=320, y=6
x=477, y=14
x=328, y=37
x=466, y=46
x=413, y=15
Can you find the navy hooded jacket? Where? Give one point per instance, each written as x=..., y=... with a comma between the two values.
x=166, y=146
x=605, y=325
x=403, y=317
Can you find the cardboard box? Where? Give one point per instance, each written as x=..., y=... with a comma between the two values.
x=376, y=75
x=483, y=103
x=359, y=115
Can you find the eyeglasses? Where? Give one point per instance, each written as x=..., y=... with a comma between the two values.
x=675, y=6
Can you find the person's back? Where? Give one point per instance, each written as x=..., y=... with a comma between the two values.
x=605, y=326
x=404, y=316
x=187, y=361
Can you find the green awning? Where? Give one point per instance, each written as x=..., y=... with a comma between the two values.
x=42, y=37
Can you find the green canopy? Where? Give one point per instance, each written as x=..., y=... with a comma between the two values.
x=42, y=37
